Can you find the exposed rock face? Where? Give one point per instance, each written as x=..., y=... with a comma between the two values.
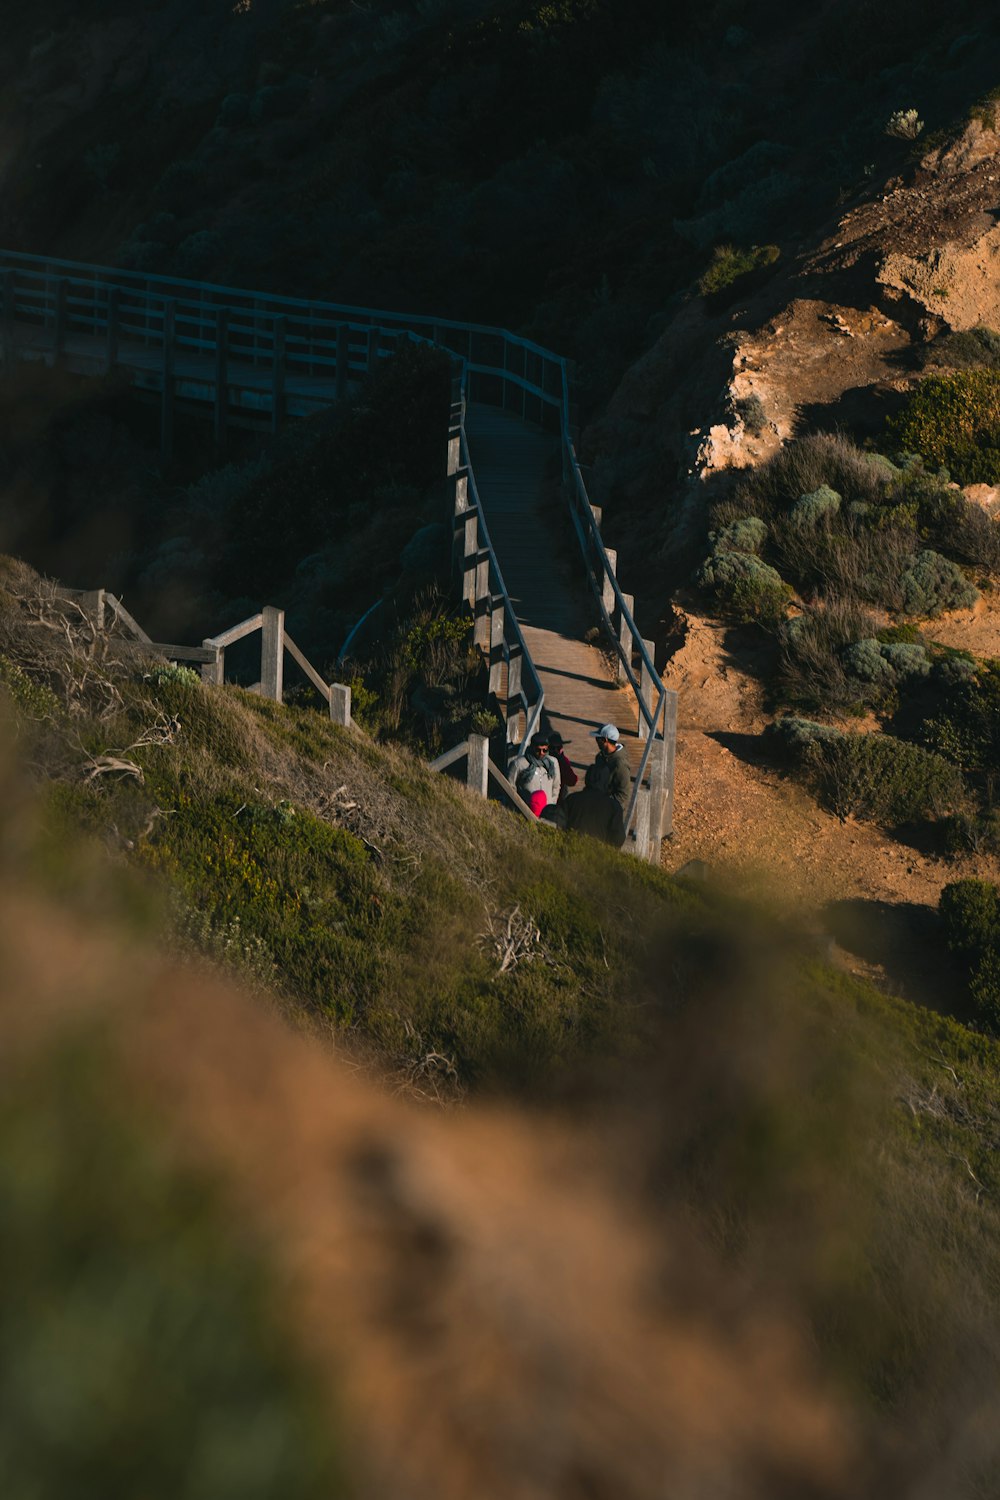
x=828, y=342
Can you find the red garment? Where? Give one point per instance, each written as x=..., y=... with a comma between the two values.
x=538, y=801
x=568, y=776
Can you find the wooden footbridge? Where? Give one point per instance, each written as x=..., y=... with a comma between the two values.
x=527, y=539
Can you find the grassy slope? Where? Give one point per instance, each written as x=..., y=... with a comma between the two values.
x=824, y=1137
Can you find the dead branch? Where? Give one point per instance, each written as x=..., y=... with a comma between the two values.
x=103, y=765
x=512, y=937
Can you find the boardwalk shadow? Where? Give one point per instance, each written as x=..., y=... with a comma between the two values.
x=749, y=748
x=903, y=939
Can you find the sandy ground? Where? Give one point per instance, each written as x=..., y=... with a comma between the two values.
x=871, y=897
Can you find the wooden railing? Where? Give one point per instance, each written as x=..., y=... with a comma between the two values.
x=480, y=768
x=211, y=654
x=514, y=685
x=249, y=353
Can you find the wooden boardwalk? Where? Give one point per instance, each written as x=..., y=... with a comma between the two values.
x=539, y=558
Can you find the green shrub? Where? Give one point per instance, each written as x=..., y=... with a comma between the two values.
x=173, y=672
x=145, y=1328
x=865, y=661
x=984, y=990
x=747, y=590
x=803, y=466
x=965, y=349
x=965, y=725
x=34, y=699
x=887, y=780
x=933, y=584
x=752, y=413
x=907, y=660
x=969, y=911
x=954, y=421
x=811, y=669
x=748, y=534
x=792, y=736
x=822, y=504
x=729, y=264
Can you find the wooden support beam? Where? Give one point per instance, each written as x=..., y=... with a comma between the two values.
x=496, y=645
x=373, y=347
x=607, y=591
x=470, y=553
x=478, y=770
x=638, y=841
x=669, y=755
x=93, y=602
x=624, y=639
x=278, y=375
x=215, y=672
x=340, y=704
x=272, y=653
x=650, y=693
x=203, y=655
x=482, y=605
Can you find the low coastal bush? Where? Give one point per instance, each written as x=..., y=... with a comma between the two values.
x=870, y=776
x=932, y=584
x=954, y=421
x=969, y=912
x=729, y=264
x=746, y=589
x=812, y=671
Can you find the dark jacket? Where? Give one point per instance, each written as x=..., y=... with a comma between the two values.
x=610, y=773
x=596, y=813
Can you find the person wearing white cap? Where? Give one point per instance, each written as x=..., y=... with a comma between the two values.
x=610, y=772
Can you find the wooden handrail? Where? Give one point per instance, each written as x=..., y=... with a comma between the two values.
x=236, y=633
x=275, y=338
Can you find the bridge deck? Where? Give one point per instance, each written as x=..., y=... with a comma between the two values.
x=537, y=551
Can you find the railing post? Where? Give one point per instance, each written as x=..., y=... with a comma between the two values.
x=7, y=310
x=340, y=704
x=607, y=588
x=278, y=375
x=167, y=403
x=373, y=342
x=470, y=554
x=221, y=410
x=668, y=762
x=272, y=653
x=496, y=644
x=478, y=772
x=483, y=604
x=639, y=845
x=111, y=347
x=214, y=672
x=624, y=638
x=59, y=320
x=646, y=688
x=343, y=359
x=93, y=602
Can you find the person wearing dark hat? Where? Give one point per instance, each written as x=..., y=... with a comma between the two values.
x=567, y=776
x=535, y=774
x=610, y=771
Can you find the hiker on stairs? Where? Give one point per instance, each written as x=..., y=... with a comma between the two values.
x=610, y=771
x=567, y=776
x=536, y=775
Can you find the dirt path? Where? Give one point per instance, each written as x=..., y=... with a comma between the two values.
x=763, y=836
